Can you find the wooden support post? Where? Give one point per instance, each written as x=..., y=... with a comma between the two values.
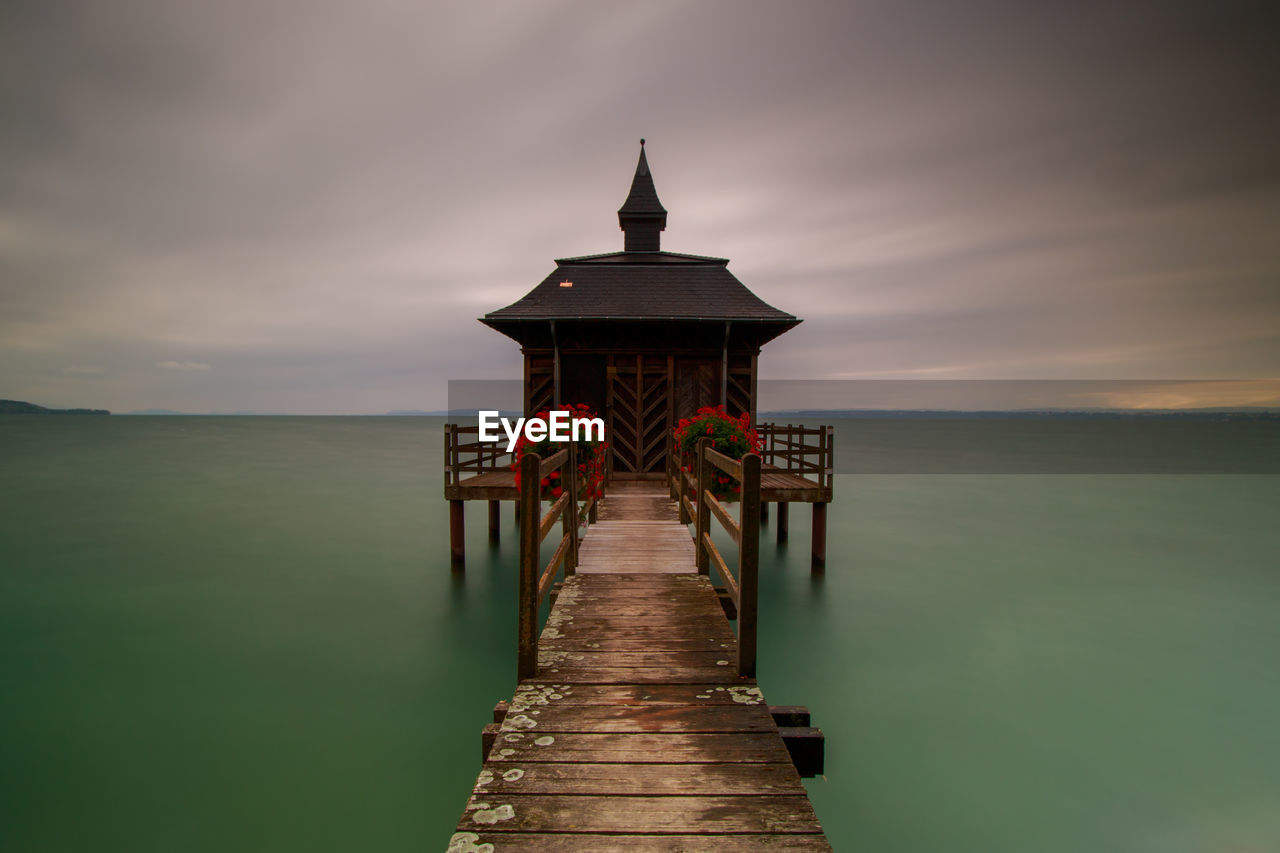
x=819, y=538
x=703, y=468
x=527, y=597
x=748, y=565
x=807, y=747
x=569, y=517
x=495, y=526
x=488, y=735
x=673, y=484
x=764, y=511
x=591, y=515
x=457, y=535
x=784, y=513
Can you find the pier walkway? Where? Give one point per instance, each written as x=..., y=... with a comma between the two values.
x=636, y=724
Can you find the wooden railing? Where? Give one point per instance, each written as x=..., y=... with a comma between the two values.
x=807, y=452
x=536, y=580
x=745, y=531
x=465, y=453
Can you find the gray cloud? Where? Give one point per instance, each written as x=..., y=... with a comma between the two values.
x=320, y=198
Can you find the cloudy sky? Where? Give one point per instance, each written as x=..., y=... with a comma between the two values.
x=303, y=206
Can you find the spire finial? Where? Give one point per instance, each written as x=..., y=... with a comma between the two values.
x=642, y=216
x=642, y=142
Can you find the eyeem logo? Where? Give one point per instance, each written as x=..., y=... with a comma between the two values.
x=562, y=427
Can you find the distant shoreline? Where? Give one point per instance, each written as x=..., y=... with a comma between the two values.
x=17, y=407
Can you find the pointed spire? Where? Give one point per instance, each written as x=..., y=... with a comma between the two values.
x=642, y=215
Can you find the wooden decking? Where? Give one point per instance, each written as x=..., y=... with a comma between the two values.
x=636, y=732
x=637, y=532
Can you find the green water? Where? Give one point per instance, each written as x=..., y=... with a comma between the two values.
x=242, y=633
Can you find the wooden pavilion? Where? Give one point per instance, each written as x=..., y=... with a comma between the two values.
x=644, y=337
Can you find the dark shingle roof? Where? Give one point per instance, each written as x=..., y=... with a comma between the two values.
x=640, y=283
x=641, y=286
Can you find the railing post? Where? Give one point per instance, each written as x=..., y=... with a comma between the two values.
x=829, y=462
x=748, y=565
x=673, y=483
x=569, y=518
x=530, y=502
x=703, y=559
x=454, y=455
x=448, y=468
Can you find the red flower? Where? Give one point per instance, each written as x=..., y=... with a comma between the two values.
x=555, y=475
x=546, y=482
x=555, y=493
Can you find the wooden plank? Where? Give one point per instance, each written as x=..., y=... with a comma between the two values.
x=679, y=814
x=636, y=644
x=637, y=719
x=549, y=573
x=597, y=748
x=645, y=675
x=709, y=548
x=728, y=521
x=748, y=566
x=539, y=842
x=631, y=606
x=730, y=466
x=643, y=780
x=527, y=592
x=552, y=462
x=590, y=629
x=658, y=694
x=615, y=659
x=553, y=515
x=691, y=580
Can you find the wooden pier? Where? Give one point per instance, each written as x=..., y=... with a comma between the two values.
x=637, y=723
x=797, y=465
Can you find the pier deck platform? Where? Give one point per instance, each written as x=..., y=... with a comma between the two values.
x=637, y=733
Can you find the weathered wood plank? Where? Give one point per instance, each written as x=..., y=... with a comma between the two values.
x=692, y=749
x=643, y=780
x=653, y=694
x=568, y=626
x=572, y=627
x=678, y=814
x=617, y=659
x=636, y=644
x=643, y=611
x=641, y=580
x=530, y=842
x=638, y=719
x=646, y=675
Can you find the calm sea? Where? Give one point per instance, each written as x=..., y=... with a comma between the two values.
x=243, y=634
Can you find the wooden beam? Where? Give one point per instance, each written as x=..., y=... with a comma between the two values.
x=457, y=535
x=703, y=514
x=527, y=601
x=749, y=566
x=495, y=523
x=818, y=538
